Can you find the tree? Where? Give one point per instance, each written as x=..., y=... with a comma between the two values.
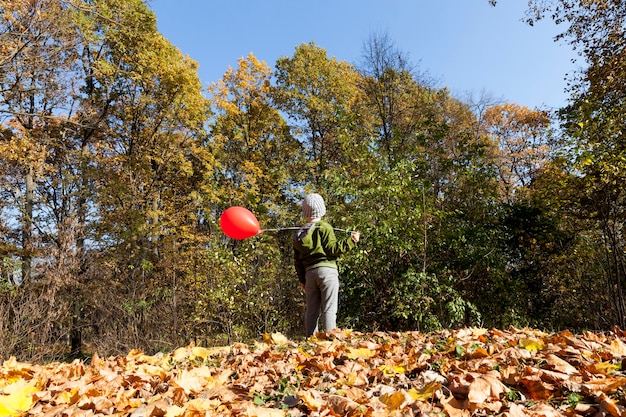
x=251, y=139
x=394, y=97
x=318, y=95
x=41, y=85
x=151, y=165
x=110, y=117
x=593, y=125
x=422, y=237
x=522, y=138
x=37, y=54
x=259, y=164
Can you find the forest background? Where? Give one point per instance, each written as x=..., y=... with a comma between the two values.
x=116, y=164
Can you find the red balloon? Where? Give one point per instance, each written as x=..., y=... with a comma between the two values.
x=239, y=223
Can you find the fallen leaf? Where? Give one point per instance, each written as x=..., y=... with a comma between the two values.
x=393, y=401
x=609, y=406
x=201, y=406
x=174, y=411
x=515, y=410
x=17, y=397
x=618, y=348
x=362, y=353
x=275, y=339
x=195, y=380
x=426, y=392
x=544, y=410
x=392, y=370
x=558, y=364
x=538, y=389
x=532, y=344
x=343, y=406
x=455, y=408
x=311, y=399
x=257, y=411
x=604, y=367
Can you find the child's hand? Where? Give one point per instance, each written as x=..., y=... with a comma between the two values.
x=356, y=236
x=303, y=287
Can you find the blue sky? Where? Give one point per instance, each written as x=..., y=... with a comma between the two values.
x=465, y=45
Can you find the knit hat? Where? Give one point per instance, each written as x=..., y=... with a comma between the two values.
x=313, y=206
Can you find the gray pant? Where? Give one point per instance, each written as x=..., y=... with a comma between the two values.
x=322, y=297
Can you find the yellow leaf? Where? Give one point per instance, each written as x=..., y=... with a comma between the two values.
x=275, y=339
x=393, y=401
x=587, y=354
x=425, y=393
x=398, y=369
x=304, y=352
x=67, y=397
x=587, y=161
x=479, y=331
x=362, y=353
x=18, y=397
x=606, y=366
x=392, y=370
x=4, y=411
x=199, y=352
x=532, y=344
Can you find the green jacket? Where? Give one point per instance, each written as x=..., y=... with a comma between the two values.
x=315, y=245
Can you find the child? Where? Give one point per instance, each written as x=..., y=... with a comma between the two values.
x=315, y=252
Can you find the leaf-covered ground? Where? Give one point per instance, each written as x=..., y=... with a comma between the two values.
x=343, y=373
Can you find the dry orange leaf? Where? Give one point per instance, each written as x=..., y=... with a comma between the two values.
x=311, y=398
x=394, y=400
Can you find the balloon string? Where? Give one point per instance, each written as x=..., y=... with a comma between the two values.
x=280, y=229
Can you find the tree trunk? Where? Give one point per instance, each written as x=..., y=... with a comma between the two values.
x=27, y=226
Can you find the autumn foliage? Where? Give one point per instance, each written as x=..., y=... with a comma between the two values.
x=470, y=371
